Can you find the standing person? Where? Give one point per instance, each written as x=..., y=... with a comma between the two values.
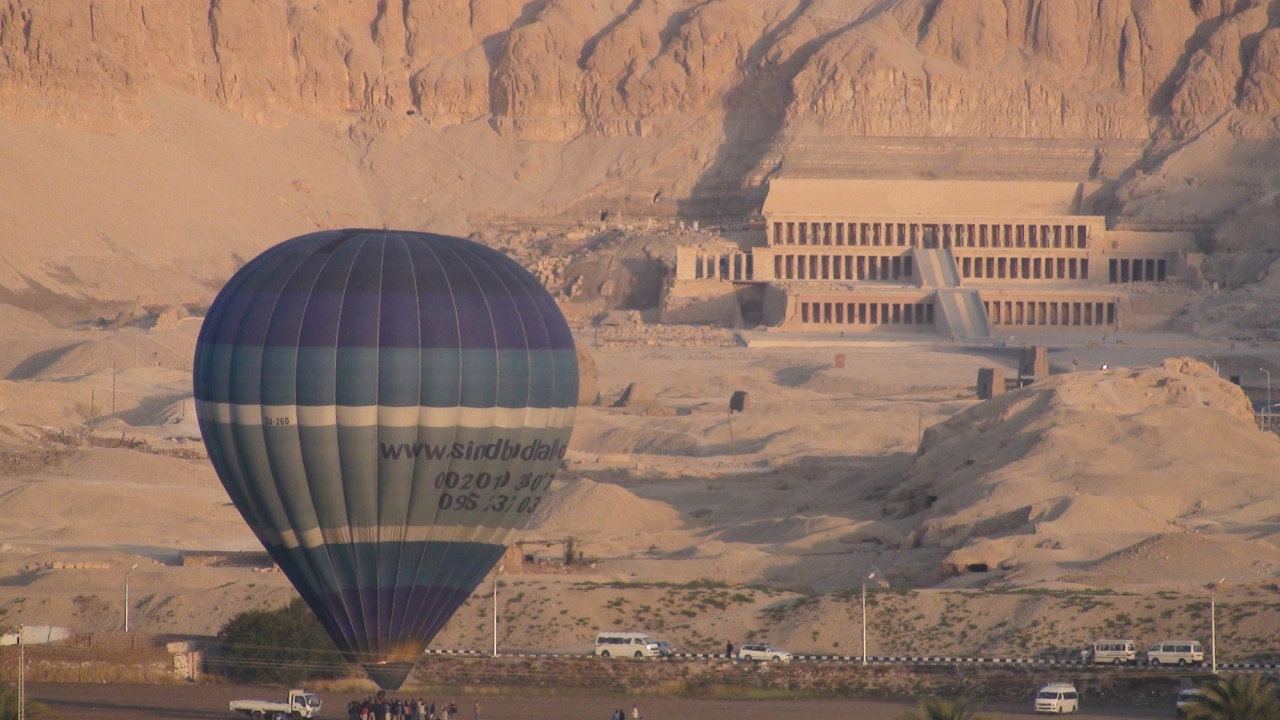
x=635, y=712
x=728, y=649
x=477, y=710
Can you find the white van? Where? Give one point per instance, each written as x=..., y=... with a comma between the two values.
x=1058, y=698
x=1115, y=652
x=627, y=644
x=1176, y=652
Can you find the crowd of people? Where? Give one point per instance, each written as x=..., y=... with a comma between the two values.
x=384, y=707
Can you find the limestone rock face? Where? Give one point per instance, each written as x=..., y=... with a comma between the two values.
x=1216, y=70
x=631, y=72
x=1003, y=68
x=973, y=35
x=1260, y=89
x=564, y=68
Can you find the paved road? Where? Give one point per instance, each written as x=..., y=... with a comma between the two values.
x=197, y=702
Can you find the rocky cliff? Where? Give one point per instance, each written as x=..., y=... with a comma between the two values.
x=543, y=107
x=562, y=68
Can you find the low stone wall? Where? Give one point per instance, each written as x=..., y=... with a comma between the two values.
x=117, y=660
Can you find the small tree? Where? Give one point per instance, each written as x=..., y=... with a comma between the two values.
x=286, y=646
x=942, y=709
x=9, y=706
x=1238, y=697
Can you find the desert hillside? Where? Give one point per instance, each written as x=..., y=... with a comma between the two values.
x=1088, y=502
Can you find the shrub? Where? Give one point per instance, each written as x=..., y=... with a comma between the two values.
x=286, y=646
x=933, y=708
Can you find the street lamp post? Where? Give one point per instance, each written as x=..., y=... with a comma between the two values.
x=126, y=595
x=1266, y=412
x=864, y=618
x=1213, y=624
x=495, y=609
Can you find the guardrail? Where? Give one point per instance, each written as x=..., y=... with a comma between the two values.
x=880, y=660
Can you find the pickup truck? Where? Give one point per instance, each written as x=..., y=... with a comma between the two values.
x=302, y=704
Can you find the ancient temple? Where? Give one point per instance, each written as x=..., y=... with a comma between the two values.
x=966, y=258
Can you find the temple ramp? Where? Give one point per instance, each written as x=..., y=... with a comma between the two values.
x=937, y=268
x=962, y=313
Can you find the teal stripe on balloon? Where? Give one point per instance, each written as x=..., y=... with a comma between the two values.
x=400, y=377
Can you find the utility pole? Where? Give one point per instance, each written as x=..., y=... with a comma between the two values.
x=22, y=678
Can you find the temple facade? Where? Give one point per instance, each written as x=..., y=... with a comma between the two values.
x=965, y=258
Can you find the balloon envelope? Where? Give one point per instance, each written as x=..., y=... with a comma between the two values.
x=385, y=409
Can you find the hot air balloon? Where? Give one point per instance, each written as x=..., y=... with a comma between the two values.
x=386, y=409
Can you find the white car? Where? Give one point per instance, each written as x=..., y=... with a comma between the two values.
x=763, y=652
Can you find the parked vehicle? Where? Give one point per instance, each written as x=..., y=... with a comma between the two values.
x=1116, y=652
x=1185, y=700
x=1058, y=698
x=627, y=644
x=763, y=652
x=301, y=704
x=1176, y=652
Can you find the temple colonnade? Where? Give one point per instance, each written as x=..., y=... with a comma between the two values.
x=1046, y=233
x=865, y=313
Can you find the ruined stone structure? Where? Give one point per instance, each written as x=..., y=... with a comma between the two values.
x=965, y=258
